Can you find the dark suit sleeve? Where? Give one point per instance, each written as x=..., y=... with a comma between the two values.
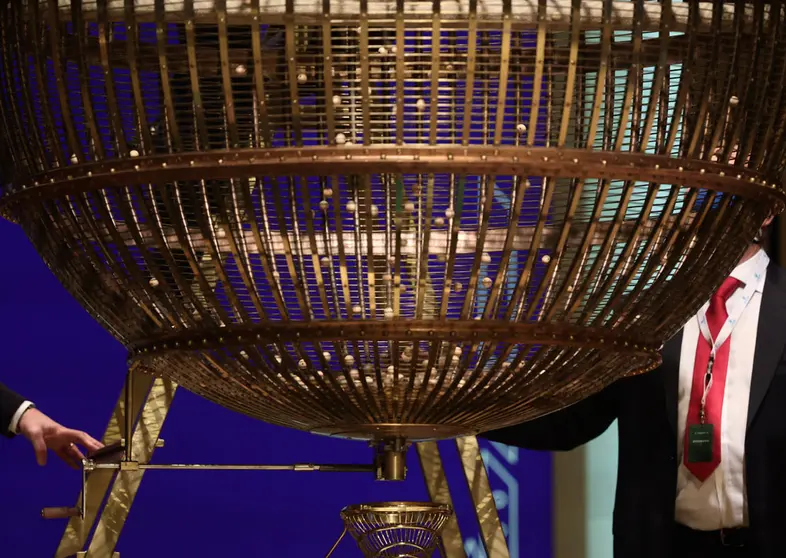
x=9, y=403
x=566, y=429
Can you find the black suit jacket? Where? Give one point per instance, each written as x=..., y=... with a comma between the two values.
x=646, y=409
x=9, y=403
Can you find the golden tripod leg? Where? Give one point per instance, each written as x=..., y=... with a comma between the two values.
x=439, y=491
x=480, y=491
x=127, y=480
x=151, y=401
x=482, y=498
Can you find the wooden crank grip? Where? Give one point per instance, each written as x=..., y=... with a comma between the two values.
x=59, y=513
x=112, y=453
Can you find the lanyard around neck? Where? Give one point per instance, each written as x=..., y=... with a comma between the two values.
x=735, y=312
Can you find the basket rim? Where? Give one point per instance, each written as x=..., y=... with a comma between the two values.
x=387, y=507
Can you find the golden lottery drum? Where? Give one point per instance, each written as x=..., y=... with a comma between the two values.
x=379, y=219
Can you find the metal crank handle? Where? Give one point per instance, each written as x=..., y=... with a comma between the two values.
x=77, y=511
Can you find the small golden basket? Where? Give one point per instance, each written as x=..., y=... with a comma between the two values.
x=397, y=529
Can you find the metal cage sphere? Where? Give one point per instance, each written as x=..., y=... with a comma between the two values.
x=377, y=218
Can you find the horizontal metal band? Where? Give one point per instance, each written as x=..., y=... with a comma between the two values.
x=331, y=161
x=521, y=12
x=401, y=330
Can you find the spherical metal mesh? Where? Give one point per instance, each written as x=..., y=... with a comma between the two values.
x=382, y=219
x=397, y=529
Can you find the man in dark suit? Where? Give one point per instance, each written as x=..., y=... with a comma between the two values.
x=702, y=439
x=19, y=416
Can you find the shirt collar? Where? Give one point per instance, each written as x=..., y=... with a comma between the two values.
x=746, y=271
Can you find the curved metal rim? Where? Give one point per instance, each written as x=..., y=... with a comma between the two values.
x=523, y=13
x=472, y=160
x=407, y=330
x=393, y=507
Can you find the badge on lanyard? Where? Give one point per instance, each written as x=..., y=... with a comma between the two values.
x=700, y=436
x=700, y=443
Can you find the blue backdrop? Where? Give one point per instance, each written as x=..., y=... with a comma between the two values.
x=52, y=352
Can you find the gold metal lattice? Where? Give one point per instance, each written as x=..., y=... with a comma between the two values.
x=392, y=219
x=397, y=529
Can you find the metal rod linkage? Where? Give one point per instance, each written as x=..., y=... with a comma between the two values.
x=297, y=467
x=129, y=414
x=89, y=466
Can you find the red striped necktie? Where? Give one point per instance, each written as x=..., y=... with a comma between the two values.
x=713, y=410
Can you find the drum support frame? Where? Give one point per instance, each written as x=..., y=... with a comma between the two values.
x=111, y=480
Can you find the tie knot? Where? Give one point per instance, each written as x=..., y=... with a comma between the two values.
x=730, y=285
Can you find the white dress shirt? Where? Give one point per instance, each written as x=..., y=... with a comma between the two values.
x=721, y=500
x=13, y=426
